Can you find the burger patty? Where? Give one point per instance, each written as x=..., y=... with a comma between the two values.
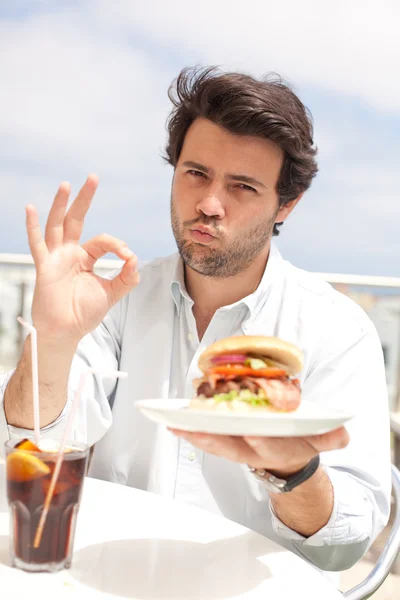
x=283, y=394
x=223, y=387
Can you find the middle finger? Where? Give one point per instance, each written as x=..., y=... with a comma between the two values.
x=75, y=217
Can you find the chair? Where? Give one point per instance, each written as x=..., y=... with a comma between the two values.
x=366, y=588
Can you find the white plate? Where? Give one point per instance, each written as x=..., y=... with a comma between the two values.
x=308, y=419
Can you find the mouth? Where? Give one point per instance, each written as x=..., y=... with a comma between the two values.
x=203, y=229
x=201, y=234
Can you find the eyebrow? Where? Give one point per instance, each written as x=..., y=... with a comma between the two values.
x=233, y=176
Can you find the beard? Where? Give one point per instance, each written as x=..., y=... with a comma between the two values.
x=231, y=257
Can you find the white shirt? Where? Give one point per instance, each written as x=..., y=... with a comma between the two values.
x=151, y=334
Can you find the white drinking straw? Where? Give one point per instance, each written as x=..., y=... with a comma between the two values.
x=35, y=378
x=60, y=455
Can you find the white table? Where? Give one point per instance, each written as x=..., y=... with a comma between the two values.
x=132, y=544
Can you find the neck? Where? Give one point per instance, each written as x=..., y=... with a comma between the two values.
x=209, y=293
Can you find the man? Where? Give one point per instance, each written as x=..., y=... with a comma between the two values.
x=243, y=155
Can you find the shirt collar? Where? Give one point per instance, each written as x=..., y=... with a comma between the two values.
x=254, y=301
x=178, y=287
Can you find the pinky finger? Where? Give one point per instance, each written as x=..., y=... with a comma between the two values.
x=37, y=244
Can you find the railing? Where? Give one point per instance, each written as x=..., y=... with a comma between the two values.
x=376, y=281
x=26, y=260
x=388, y=557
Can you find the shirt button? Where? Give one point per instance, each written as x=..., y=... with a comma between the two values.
x=192, y=456
x=190, y=336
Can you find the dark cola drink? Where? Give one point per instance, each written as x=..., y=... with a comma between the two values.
x=29, y=473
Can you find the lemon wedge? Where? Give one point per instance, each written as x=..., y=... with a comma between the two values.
x=24, y=466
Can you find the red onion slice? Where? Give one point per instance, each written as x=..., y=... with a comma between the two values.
x=224, y=359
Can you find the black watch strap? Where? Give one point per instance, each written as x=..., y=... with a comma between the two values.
x=301, y=476
x=277, y=484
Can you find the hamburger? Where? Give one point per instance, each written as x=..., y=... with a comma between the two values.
x=249, y=373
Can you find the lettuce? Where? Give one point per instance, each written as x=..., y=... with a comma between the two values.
x=244, y=396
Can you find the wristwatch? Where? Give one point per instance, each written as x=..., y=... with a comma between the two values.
x=278, y=485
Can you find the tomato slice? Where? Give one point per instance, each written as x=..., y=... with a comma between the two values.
x=240, y=370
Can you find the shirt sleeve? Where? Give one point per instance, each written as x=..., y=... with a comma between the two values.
x=352, y=379
x=100, y=350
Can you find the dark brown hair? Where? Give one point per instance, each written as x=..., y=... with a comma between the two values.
x=246, y=106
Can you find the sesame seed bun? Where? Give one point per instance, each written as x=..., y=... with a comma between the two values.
x=271, y=347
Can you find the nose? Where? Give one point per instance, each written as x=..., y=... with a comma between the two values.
x=210, y=203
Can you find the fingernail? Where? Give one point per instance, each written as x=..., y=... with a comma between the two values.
x=127, y=252
x=135, y=273
x=252, y=441
x=92, y=177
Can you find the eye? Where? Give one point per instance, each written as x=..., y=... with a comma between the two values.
x=196, y=173
x=247, y=188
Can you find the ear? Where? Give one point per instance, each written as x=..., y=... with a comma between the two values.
x=285, y=211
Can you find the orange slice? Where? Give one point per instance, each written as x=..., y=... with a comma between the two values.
x=27, y=445
x=60, y=487
x=24, y=466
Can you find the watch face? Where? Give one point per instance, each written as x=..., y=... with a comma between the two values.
x=277, y=485
x=271, y=483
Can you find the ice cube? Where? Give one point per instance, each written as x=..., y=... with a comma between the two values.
x=48, y=445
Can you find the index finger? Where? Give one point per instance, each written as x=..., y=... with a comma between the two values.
x=104, y=243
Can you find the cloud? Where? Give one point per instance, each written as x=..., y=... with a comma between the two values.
x=76, y=91
x=348, y=222
x=347, y=47
x=134, y=210
x=76, y=100
x=83, y=88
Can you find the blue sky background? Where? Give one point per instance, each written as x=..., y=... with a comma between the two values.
x=83, y=88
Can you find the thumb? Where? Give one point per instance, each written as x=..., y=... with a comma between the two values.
x=124, y=282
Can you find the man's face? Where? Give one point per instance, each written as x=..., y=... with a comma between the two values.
x=224, y=204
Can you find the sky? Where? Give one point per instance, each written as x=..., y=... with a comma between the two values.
x=83, y=88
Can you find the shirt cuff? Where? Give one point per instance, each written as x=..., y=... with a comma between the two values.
x=54, y=430
x=350, y=521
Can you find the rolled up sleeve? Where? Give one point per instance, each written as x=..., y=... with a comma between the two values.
x=99, y=350
x=354, y=523
x=352, y=379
